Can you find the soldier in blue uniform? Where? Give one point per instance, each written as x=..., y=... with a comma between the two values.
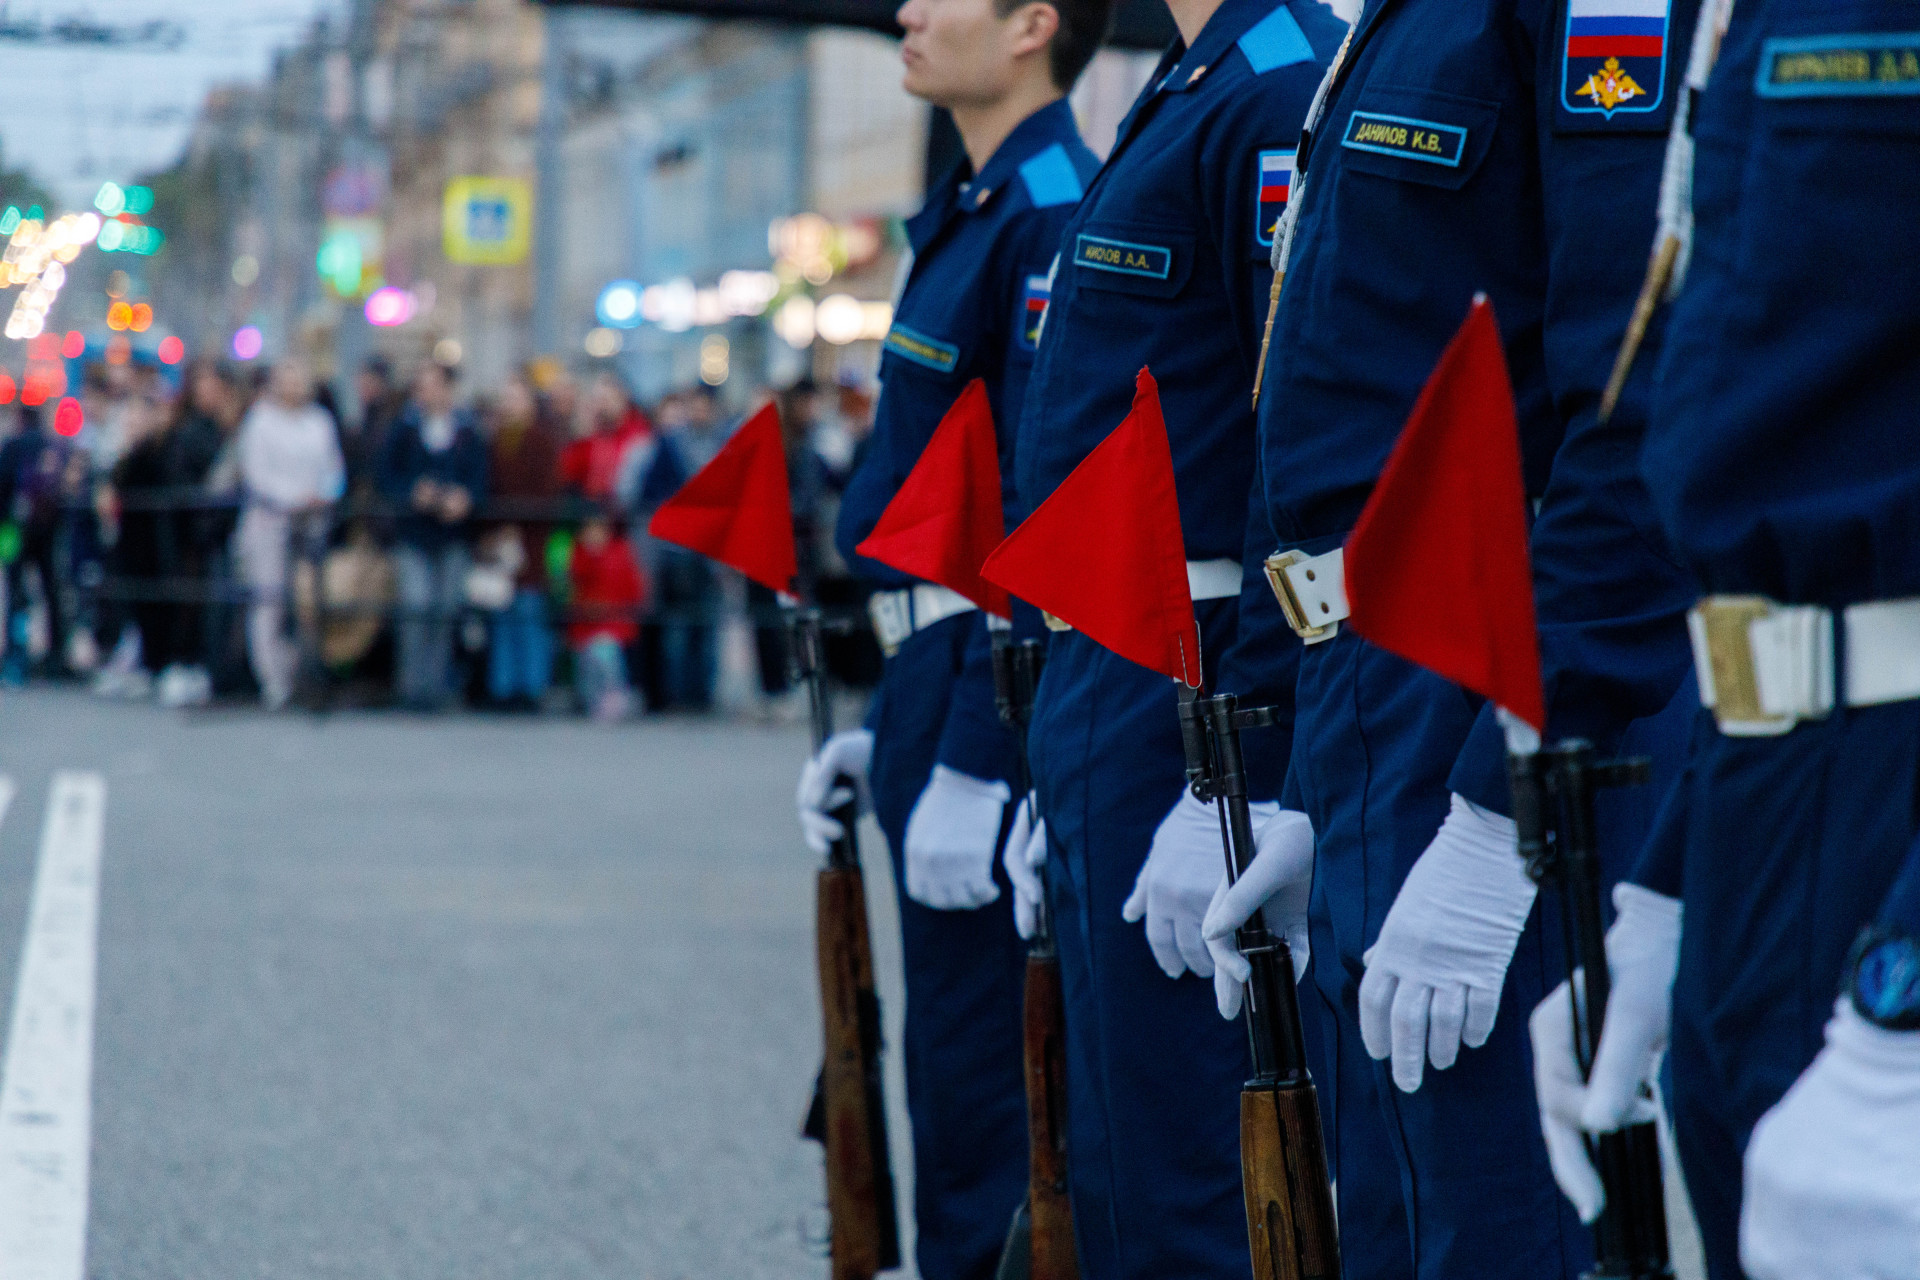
x=1512, y=148
x=1164, y=265
x=1782, y=461
x=940, y=760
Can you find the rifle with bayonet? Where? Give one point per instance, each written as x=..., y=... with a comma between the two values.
x=1553, y=807
x=848, y=1116
x=1040, y=1245
x=1283, y=1161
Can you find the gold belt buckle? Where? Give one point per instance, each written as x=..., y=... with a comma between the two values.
x=1053, y=623
x=1277, y=565
x=1725, y=622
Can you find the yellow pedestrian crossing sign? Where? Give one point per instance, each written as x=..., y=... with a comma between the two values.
x=486, y=221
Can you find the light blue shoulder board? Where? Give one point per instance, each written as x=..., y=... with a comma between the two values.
x=1275, y=41
x=1051, y=178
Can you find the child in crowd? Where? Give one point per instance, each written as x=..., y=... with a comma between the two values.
x=607, y=594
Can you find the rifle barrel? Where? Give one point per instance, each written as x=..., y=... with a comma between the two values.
x=1554, y=793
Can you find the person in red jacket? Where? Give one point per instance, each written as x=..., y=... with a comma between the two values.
x=592, y=464
x=608, y=591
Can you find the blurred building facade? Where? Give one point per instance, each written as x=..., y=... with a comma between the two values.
x=741, y=184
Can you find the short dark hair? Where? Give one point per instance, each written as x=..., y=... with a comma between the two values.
x=1084, y=26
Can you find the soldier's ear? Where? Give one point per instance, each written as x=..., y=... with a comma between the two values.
x=1034, y=27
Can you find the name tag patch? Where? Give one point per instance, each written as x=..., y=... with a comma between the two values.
x=1276, y=186
x=1123, y=257
x=1426, y=140
x=1034, y=297
x=922, y=350
x=1840, y=66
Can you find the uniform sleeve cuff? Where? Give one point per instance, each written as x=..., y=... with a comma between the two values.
x=1902, y=908
x=1480, y=771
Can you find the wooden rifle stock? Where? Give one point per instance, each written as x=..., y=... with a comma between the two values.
x=1050, y=1252
x=1050, y=1213
x=849, y=1113
x=1291, y=1231
x=1553, y=807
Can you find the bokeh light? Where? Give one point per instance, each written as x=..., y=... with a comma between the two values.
x=6, y=387
x=619, y=305
x=119, y=316
x=172, y=350
x=67, y=418
x=247, y=343
x=388, y=306
x=74, y=345
x=142, y=318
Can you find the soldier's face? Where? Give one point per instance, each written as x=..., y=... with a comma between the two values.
x=959, y=53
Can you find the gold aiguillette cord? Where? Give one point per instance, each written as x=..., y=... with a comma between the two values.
x=1659, y=272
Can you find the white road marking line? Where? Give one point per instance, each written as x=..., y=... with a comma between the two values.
x=46, y=1087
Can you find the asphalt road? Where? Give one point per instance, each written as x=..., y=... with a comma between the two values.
x=463, y=998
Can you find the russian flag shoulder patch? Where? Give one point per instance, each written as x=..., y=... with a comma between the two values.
x=1614, y=63
x=1275, y=179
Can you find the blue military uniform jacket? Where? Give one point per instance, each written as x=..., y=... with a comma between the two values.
x=1165, y=265
x=1511, y=147
x=972, y=307
x=1784, y=459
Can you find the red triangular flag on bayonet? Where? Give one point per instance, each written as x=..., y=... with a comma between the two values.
x=1105, y=554
x=736, y=509
x=1437, y=566
x=946, y=519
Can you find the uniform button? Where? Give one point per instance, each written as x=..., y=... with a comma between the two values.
x=1197, y=73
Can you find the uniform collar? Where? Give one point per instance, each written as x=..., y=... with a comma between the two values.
x=1229, y=22
x=1050, y=124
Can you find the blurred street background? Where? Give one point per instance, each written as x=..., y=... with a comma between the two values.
x=607, y=232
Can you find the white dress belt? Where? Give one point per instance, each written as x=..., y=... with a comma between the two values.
x=1312, y=591
x=1764, y=666
x=1213, y=579
x=1206, y=580
x=898, y=614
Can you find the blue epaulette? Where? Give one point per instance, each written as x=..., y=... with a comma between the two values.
x=1051, y=178
x=1275, y=41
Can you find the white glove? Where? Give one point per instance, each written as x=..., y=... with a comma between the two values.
x=1278, y=883
x=1176, y=885
x=1833, y=1170
x=951, y=837
x=1025, y=855
x=848, y=753
x=1643, y=956
x=1643, y=953
x=1434, y=974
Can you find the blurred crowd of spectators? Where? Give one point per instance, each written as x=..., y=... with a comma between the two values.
x=238, y=536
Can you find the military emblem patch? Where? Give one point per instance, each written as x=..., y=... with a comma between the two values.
x=1276, y=185
x=1033, y=310
x=1615, y=59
